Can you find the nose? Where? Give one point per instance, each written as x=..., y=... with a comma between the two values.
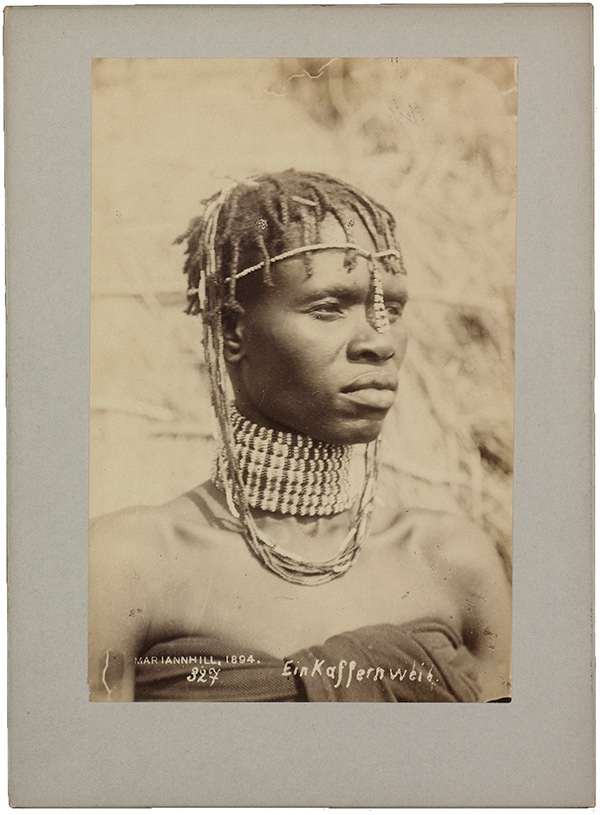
x=370, y=345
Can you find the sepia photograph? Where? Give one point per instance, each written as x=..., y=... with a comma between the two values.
x=302, y=351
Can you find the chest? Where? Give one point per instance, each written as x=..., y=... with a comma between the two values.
x=224, y=591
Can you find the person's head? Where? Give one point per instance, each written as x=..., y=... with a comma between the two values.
x=313, y=340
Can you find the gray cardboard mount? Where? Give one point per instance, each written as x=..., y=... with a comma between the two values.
x=65, y=751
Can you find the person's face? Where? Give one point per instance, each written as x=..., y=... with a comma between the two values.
x=307, y=357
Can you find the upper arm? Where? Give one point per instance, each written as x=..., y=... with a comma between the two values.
x=488, y=620
x=119, y=607
x=483, y=596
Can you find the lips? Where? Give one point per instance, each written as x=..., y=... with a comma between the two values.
x=380, y=381
x=374, y=390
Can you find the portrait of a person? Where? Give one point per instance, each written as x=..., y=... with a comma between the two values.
x=297, y=572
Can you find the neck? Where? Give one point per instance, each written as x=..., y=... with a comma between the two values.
x=286, y=472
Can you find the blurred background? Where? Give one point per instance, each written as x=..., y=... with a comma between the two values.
x=434, y=140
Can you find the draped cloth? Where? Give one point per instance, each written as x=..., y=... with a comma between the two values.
x=422, y=661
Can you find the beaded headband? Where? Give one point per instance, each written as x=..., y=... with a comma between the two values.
x=316, y=247
x=380, y=320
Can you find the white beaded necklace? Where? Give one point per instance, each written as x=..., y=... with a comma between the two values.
x=288, y=473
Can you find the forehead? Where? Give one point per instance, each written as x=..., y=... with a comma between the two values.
x=291, y=276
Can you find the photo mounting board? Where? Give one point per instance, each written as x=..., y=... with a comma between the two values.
x=65, y=751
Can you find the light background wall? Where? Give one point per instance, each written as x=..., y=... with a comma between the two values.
x=432, y=139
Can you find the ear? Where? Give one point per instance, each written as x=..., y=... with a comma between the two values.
x=233, y=333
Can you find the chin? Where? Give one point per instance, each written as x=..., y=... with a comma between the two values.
x=353, y=432
x=366, y=435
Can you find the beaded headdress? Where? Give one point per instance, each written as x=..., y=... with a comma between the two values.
x=258, y=468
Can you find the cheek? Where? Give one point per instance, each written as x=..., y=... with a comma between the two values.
x=317, y=365
x=402, y=346
x=400, y=342
x=299, y=367
x=296, y=351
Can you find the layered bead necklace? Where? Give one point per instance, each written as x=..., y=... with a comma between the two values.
x=288, y=473
x=293, y=474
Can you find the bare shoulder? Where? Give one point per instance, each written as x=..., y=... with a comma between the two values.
x=140, y=552
x=458, y=546
x=131, y=530
x=133, y=563
x=146, y=531
x=467, y=563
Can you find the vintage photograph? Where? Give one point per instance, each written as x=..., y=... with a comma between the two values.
x=302, y=379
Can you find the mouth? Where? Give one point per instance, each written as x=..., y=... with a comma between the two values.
x=381, y=381
x=374, y=390
x=372, y=398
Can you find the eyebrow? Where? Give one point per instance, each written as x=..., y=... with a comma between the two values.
x=342, y=292
x=336, y=290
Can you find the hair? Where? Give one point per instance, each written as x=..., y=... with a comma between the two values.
x=267, y=215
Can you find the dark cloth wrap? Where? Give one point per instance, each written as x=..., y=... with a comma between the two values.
x=423, y=661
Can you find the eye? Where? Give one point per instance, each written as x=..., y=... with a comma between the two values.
x=394, y=310
x=329, y=310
